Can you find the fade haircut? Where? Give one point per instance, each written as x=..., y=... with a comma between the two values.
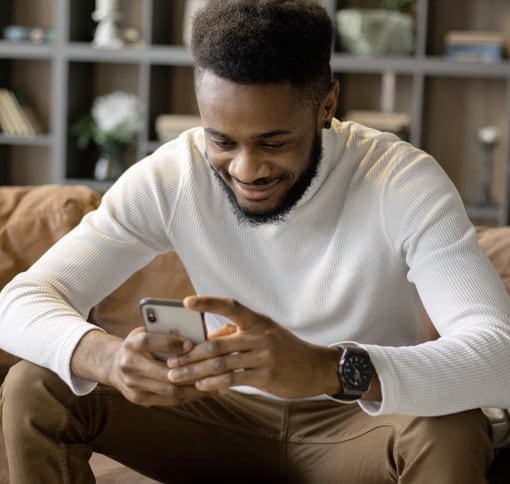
x=265, y=42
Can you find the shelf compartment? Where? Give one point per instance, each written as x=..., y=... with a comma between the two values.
x=29, y=13
x=82, y=26
x=365, y=92
x=172, y=92
x=445, y=16
x=404, y=27
x=88, y=80
x=167, y=22
x=18, y=76
x=454, y=110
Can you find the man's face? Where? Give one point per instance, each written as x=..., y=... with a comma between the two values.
x=263, y=143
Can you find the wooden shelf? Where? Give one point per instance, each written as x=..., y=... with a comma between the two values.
x=446, y=100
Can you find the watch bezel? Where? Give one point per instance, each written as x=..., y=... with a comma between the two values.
x=351, y=392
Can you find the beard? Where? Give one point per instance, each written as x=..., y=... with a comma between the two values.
x=279, y=213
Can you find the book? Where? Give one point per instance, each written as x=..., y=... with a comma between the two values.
x=30, y=118
x=397, y=123
x=169, y=126
x=6, y=125
x=11, y=123
x=24, y=129
x=16, y=116
x=477, y=46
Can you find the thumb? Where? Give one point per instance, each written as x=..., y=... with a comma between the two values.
x=240, y=315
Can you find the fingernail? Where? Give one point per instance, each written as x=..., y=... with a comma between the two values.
x=187, y=345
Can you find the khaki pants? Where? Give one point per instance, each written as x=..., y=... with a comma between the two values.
x=50, y=434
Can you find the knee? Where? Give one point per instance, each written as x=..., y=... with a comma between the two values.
x=28, y=389
x=463, y=431
x=462, y=437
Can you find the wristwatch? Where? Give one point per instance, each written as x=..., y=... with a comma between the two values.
x=354, y=371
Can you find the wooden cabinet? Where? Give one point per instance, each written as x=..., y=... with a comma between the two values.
x=447, y=101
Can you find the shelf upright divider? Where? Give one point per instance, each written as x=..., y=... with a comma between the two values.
x=504, y=211
x=418, y=91
x=60, y=91
x=145, y=76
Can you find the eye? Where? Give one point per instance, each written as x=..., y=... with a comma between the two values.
x=223, y=144
x=273, y=146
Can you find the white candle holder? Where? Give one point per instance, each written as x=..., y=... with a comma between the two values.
x=488, y=136
x=107, y=33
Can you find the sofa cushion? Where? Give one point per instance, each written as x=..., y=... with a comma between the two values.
x=32, y=218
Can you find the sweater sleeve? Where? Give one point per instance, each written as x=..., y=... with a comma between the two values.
x=467, y=367
x=43, y=311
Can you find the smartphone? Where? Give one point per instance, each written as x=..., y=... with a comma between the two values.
x=168, y=316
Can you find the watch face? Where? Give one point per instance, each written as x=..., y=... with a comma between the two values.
x=357, y=371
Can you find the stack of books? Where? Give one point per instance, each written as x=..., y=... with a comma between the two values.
x=477, y=46
x=169, y=126
x=397, y=123
x=16, y=117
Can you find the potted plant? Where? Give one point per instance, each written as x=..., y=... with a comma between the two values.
x=113, y=124
x=387, y=30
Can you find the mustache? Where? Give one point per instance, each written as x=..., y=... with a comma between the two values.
x=258, y=182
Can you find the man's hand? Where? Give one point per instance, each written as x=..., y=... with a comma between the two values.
x=130, y=367
x=257, y=352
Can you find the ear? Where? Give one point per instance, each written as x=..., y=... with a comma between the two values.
x=328, y=106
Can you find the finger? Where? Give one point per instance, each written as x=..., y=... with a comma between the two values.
x=223, y=382
x=143, y=341
x=216, y=366
x=225, y=330
x=158, y=394
x=243, y=343
x=229, y=308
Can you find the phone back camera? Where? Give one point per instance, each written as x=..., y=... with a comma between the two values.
x=151, y=315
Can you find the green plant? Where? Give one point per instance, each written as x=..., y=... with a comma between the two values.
x=113, y=122
x=399, y=5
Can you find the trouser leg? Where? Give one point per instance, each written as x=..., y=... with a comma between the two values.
x=451, y=449
x=329, y=444
x=36, y=423
x=50, y=434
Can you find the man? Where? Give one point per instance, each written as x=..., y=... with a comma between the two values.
x=315, y=240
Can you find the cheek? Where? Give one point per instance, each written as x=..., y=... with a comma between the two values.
x=218, y=160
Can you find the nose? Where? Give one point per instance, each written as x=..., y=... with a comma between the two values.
x=248, y=165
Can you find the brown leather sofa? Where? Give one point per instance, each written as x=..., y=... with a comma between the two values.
x=33, y=218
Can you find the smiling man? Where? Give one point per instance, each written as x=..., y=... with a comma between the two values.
x=265, y=151
x=316, y=241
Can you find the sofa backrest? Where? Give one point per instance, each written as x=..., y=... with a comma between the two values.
x=33, y=218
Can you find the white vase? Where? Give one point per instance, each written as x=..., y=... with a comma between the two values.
x=107, y=33
x=108, y=166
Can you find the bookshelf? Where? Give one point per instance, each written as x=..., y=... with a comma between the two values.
x=447, y=101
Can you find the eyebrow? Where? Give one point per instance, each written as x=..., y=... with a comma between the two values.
x=269, y=134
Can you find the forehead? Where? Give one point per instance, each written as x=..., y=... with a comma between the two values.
x=263, y=106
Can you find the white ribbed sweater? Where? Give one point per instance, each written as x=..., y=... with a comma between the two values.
x=380, y=224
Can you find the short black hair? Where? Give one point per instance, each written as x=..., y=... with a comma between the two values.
x=265, y=42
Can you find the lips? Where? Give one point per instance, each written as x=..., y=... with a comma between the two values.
x=256, y=192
